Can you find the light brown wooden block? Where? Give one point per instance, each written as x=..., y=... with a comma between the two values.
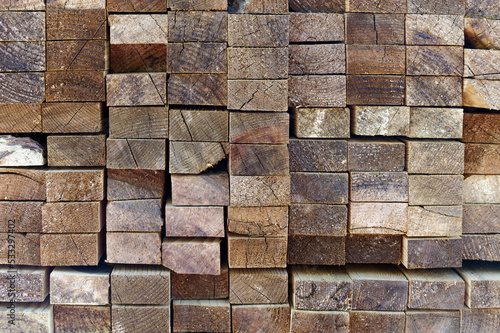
x=22, y=88
x=200, y=190
x=482, y=8
x=196, y=157
x=317, y=59
x=482, y=33
x=26, y=249
x=20, y=152
x=316, y=26
x=258, y=127
x=434, y=60
x=258, y=221
x=133, y=248
x=316, y=250
x=381, y=120
x=380, y=288
x=20, y=118
x=317, y=91
x=257, y=252
x=435, y=289
x=22, y=184
x=368, y=321
x=275, y=317
x=197, y=58
x=22, y=56
x=318, y=155
x=481, y=219
x=31, y=283
x=482, y=189
x=201, y=286
x=77, y=55
x=138, y=122
x=198, y=89
x=260, y=191
x=257, y=63
x=257, y=95
x=76, y=4
x=136, y=154
x=23, y=5
x=73, y=217
x=318, y=220
x=456, y=7
x=192, y=256
x=436, y=123
x=138, y=29
x=434, y=91
x=35, y=317
x=70, y=117
x=482, y=158
x=79, y=286
x=432, y=321
x=321, y=289
x=22, y=216
x=82, y=318
x=71, y=249
x=375, y=59
x=76, y=150
x=481, y=127
x=127, y=58
x=197, y=5
x=428, y=29
x=325, y=188
x=375, y=90
x=373, y=249
x=76, y=24
x=432, y=221
x=432, y=252
x=197, y=26
x=136, y=89
x=134, y=215
x=258, y=160
x=135, y=184
x=378, y=186
x=373, y=29
x=481, y=93
x=435, y=157
x=75, y=86
x=391, y=6
x=22, y=26
x=321, y=122
x=440, y=190
x=482, y=64
x=319, y=321
x=481, y=247
x=364, y=155
x=474, y=320
x=378, y=218
x=140, y=318
x=201, y=316
x=258, y=30
x=481, y=283
x=194, y=221
x=258, y=286
x=198, y=125
x=141, y=6
x=132, y=284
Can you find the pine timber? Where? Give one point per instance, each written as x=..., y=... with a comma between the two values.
x=482, y=159
x=260, y=191
x=482, y=64
x=376, y=321
x=134, y=184
x=258, y=286
x=482, y=189
x=195, y=157
x=321, y=122
x=138, y=29
x=136, y=89
x=258, y=221
x=318, y=220
x=316, y=26
x=22, y=88
x=122, y=248
x=317, y=6
x=140, y=318
x=198, y=89
x=257, y=95
x=210, y=189
x=455, y=7
x=318, y=155
x=77, y=55
x=33, y=58
x=126, y=58
x=258, y=30
x=76, y=4
x=256, y=63
x=79, y=286
x=435, y=157
x=317, y=59
x=434, y=221
x=481, y=247
x=20, y=118
x=258, y=6
x=69, y=249
x=138, y=122
x=27, y=215
x=134, y=6
x=197, y=5
x=482, y=8
x=378, y=186
x=31, y=283
x=197, y=26
x=273, y=317
x=375, y=29
x=134, y=216
x=482, y=285
x=432, y=321
x=436, y=123
x=30, y=317
x=386, y=218
x=481, y=219
x=440, y=190
x=391, y=6
x=202, y=58
x=73, y=217
x=375, y=59
x=435, y=60
x=256, y=252
x=373, y=249
x=375, y=90
x=481, y=93
x=432, y=252
x=201, y=316
x=76, y=150
x=194, y=221
x=22, y=26
x=73, y=24
x=258, y=127
x=136, y=154
x=319, y=188
x=381, y=120
x=201, y=286
x=368, y=155
x=192, y=256
x=82, y=318
x=26, y=248
x=317, y=91
x=198, y=125
x=430, y=29
x=22, y=184
x=434, y=91
x=68, y=117
x=74, y=86
x=319, y=321
x=23, y=5
x=484, y=320
x=258, y=160
x=481, y=128
x=316, y=250
x=482, y=33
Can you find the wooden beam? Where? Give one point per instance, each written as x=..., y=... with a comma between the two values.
x=22, y=88
x=434, y=91
x=258, y=221
x=435, y=157
x=73, y=217
x=27, y=216
x=193, y=221
x=368, y=321
x=482, y=64
x=481, y=219
x=201, y=58
x=77, y=55
x=482, y=285
x=129, y=58
x=434, y=221
x=19, y=152
x=258, y=286
x=198, y=89
x=329, y=123
x=381, y=120
x=258, y=7
x=66, y=286
x=258, y=160
x=375, y=59
x=481, y=247
x=316, y=26
x=317, y=6
x=258, y=95
x=22, y=26
x=76, y=24
x=201, y=316
x=121, y=248
x=430, y=29
x=195, y=157
x=432, y=321
x=20, y=118
x=260, y=191
x=369, y=155
x=192, y=256
x=138, y=29
x=482, y=189
x=318, y=220
x=432, y=252
x=26, y=248
x=36, y=317
x=136, y=89
x=71, y=249
x=198, y=125
x=310, y=188
x=275, y=317
x=135, y=184
x=134, y=215
x=482, y=159
x=375, y=90
x=76, y=150
x=137, y=6
x=83, y=318
x=142, y=318
x=319, y=321
x=441, y=190
x=317, y=59
x=436, y=123
x=258, y=127
x=197, y=5
x=435, y=60
x=210, y=189
x=317, y=91
x=74, y=86
x=138, y=122
x=318, y=155
x=482, y=33
x=22, y=184
x=68, y=117
x=454, y=7
x=474, y=320
x=316, y=250
x=256, y=252
x=23, y=5
x=257, y=63
x=78, y=185
x=201, y=286
x=33, y=58
x=373, y=249
x=386, y=218
x=391, y=6
x=132, y=154
x=76, y=4
x=378, y=186
x=481, y=127
x=481, y=94
x=258, y=30
x=481, y=8
x=31, y=283
x=197, y=26
x=375, y=29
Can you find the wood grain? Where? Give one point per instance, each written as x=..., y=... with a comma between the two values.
x=22, y=88
x=257, y=95
x=317, y=6
x=201, y=316
x=454, y=7
x=316, y=27
x=121, y=248
x=378, y=186
x=434, y=60
x=134, y=6
x=275, y=317
x=482, y=64
x=196, y=286
x=482, y=159
x=22, y=184
x=319, y=188
x=66, y=286
x=138, y=29
x=378, y=218
x=202, y=58
x=127, y=58
x=76, y=150
x=381, y=120
x=441, y=190
x=317, y=91
x=75, y=86
x=391, y=6
x=435, y=157
x=135, y=184
x=197, y=26
x=256, y=252
x=258, y=127
x=138, y=122
x=434, y=221
x=132, y=154
x=32, y=316
x=72, y=217
x=198, y=125
x=210, y=189
x=258, y=6
x=329, y=123
x=67, y=24
x=20, y=118
x=75, y=4
x=481, y=219
x=136, y=89
x=370, y=155
x=258, y=30
x=195, y=157
x=482, y=8
x=75, y=185
x=32, y=284
x=27, y=248
x=481, y=284
x=134, y=215
x=482, y=33
x=23, y=5
x=481, y=247
x=375, y=29
x=375, y=59
x=482, y=189
x=436, y=123
x=316, y=250
x=192, y=256
x=432, y=321
x=26, y=214
x=434, y=91
x=480, y=319
x=197, y=5
x=481, y=94
x=258, y=221
x=258, y=286
x=373, y=249
x=198, y=89
x=319, y=321
x=83, y=318
x=257, y=63
x=68, y=117
x=427, y=29
x=77, y=55
x=317, y=59
x=194, y=221
x=375, y=90
x=22, y=26
x=432, y=252
x=71, y=250
x=22, y=56
x=258, y=160
x=318, y=220
x=145, y=318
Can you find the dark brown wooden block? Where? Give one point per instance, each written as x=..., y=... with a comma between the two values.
x=260, y=191
x=325, y=188
x=196, y=286
x=141, y=6
x=210, y=189
x=316, y=27
x=258, y=221
x=70, y=117
x=136, y=89
x=26, y=216
x=75, y=86
x=376, y=155
x=20, y=118
x=435, y=157
x=378, y=187
x=135, y=184
x=257, y=63
x=434, y=60
x=258, y=30
x=432, y=252
x=481, y=219
x=482, y=158
x=192, y=256
x=71, y=249
x=275, y=317
x=136, y=154
x=134, y=216
x=317, y=59
x=141, y=318
x=327, y=122
x=201, y=316
x=391, y=6
x=255, y=127
x=481, y=247
x=195, y=157
x=386, y=218
x=474, y=320
x=433, y=91
x=318, y=220
x=27, y=249
x=258, y=95
x=432, y=321
x=198, y=125
x=22, y=56
x=438, y=190
x=198, y=89
x=317, y=6
x=375, y=90
x=82, y=318
x=197, y=26
x=138, y=122
x=77, y=55
x=202, y=58
x=258, y=160
x=22, y=26
x=22, y=88
x=256, y=252
x=76, y=24
x=32, y=284
x=258, y=6
x=319, y=321
x=318, y=155
x=126, y=58
x=436, y=123
x=481, y=284
x=317, y=91
x=373, y=249
x=482, y=33
x=22, y=184
x=258, y=286
x=121, y=248
x=75, y=185
x=193, y=221
x=375, y=59
x=430, y=29
x=316, y=250
x=368, y=321
x=73, y=217
x=76, y=150
x=373, y=29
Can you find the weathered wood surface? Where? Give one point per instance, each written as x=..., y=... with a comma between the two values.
x=319, y=321
x=77, y=55
x=203, y=58
x=258, y=160
x=75, y=86
x=258, y=221
x=32, y=59
x=375, y=90
x=260, y=191
x=35, y=317
x=71, y=249
x=27, y=215
x=76, y=24
x=23, y=5
x=435, y=157
x=195, y=157
x=481, y=127
x=147, y=154
x=432, y=321
x=26, y=248
x=201, y=190
x=258, y=127
x=79, y=286
x=275, y=317
x=31, y=283
x=321, y=122
x=371, y=321
x=198, y=89
x=256, y=63
x=192, y=256
x=387, y=218
x=454, y=7
x=368, y=155
x=432, y=252
x=138, y=122
x=258, y=286
x=316, y=26
x=256, y=252
x=482, y=189
x=318, y=220
x=391, y=6
x=258, y=30
x=140, y=318
x=381, y=120
x=136, y=89
x=201, y=316
x=134, y=215
x=375, y=59
x=132, y=284
x=430, y=29
x=22, y=26
x=378, y=186
x=482, y=285
x=482, y=33
x=134, y=6
x=317, y=91
x=435, y=60
x=82, y=318
x=121, y=248
x=434, y=221
x=318, y=155
x=70, y=117
x=482, y=8
x=481, y=219
x=257, y=95
x=434, y=91
x=197, y=26
x=138, y=29
x=20, y=118
x=317, y=59
x=316, y=250
x=135, y=184
x=22, y=184
x=375, y=29
x=482, y=159
x=481, y=247
x=127, y=58
x=20, y=151
x=481, y=93
x=198, y=125
x=373, y=249
x=72, y=217
x=194, y=221
x=22, y=88
x=436, y=123
x=76, y=4
x=441, y=190
x=482, y=64
x=326, y=188
x=76, y=150
x=201, y=286
x=258, y=7
x=197, y=5
x=321, y=289
x=485, y=320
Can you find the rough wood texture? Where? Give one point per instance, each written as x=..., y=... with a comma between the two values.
x=72, y=117
x=432, y=252
x=456, y=7
x=317, y=59
x=258, y=160
x=375, y=90
x=75, y=86
x=138, y=122
x=31, y=283
x=76, y=55
x=436, y=123
x=76, y=24
x=257, y=63
x=378, y=186
x=432, y=221
x=71, y=249
x=391, y=6
x=373, y=249
x=375, y=59
x=276, y=318
x=373, y=321
x=484, y=320
x=197, y=26
x=482, y=285
x=258, y=6
x=427, y=29
x=321, y=289
x=136, y=154
x=481, y=247
x=482, y=189
x=141, y=6
x=32, y=59
x=76, y=4
x=198, y=125
x=196, y=286
x=19, y=152
x=126, y=58
x=321, y=122
x=316, y=27
x=76, y=150
x=434, y=91
x=318, y=220
x=22, y=184
x=200, y=190
x=481, y=219
x=135, y=184
x=441, y=190
x=23, y=5
x=192, y=256
x=134, y=215
x=258, y=221
x=325, y=188
x=26, y=246
x=317, y=91
x=195, y=157
x=27, y=215
x=72, y=217
x=201, y=316
x=432, y=321
x=258, y=95
x=481, y=127
x=198, y=89
x=256, y=252
x=435, y=157
x=381, y=120
x=136, y=89
x=378, y=218
x=121, y=247
x=482, y=159
x=258, y=286
x=140, y=318
x=481, y=93
x=316, y=250
x=22, y=26
x=20, y=118
x=380, y=288
x=482, y=8
x=438, y=289
x=319, y=321
x=482, y=64
x=482, y=33
x=375, y=29
x=196, y=58
x=79, y=286
x=434, y=60
x=35, y=317
x=138, y=29
x=258, y=30
x=197, y=5
x=22, y=88
x=256, y=127
x=82, y=318
x=194, y=221
x=131, y=284
x=364, y=155
x=318, y=155
x=260, y=191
